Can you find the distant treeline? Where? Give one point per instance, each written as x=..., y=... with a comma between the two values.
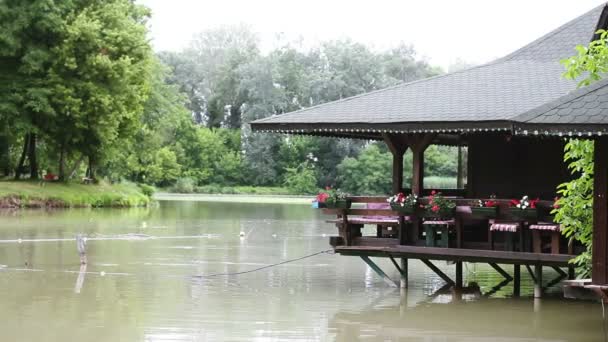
x=83, y=95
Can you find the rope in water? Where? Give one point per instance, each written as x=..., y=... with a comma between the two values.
x=328, y=251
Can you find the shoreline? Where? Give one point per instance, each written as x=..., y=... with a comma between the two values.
x=234, y=198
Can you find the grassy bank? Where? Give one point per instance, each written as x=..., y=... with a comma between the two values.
x=234, y=198
x=26, y=194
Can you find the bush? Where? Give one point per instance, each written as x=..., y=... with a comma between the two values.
x=301, y=180
x=148, y=190
x=184, y=186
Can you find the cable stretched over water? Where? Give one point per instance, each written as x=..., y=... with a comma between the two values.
x=327, y=251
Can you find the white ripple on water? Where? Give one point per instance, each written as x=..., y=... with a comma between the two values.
x=124, y=237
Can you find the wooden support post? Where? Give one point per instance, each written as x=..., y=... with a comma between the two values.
x=404, y=273
x=538, y=281
x=571, y=273
x=418, y=144
x=555, y=237
x=458, y=274
x=599, y=268
x=437, y=271
x=402, y=270
x=397, y=145
x=378, y=271
x=516, y=280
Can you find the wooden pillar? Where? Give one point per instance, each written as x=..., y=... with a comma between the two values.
x=459, y=183
x=418, y=144
x=516, y=280
x=599, y=270
x=538, y=281
x=397, y=145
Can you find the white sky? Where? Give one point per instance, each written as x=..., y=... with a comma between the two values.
x=443, y=31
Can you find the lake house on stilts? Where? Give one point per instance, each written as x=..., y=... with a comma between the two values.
x=514, y=116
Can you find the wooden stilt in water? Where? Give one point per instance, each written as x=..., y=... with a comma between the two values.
x=402, y=270
x=538, y=281
x=516, y=280
x=458, y=284
x=379, y=271
x=404, y=273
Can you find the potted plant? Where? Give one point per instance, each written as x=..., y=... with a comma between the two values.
x=485, y=208
x=403, y=204
x=438, y=207
x=525, y=208
x=333, y=199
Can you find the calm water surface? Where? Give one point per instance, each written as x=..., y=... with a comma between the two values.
x=143, y=283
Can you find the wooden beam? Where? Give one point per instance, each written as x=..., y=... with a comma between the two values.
x=379, y=271
x=599, y=270
x=438, y=271
x=500, y=270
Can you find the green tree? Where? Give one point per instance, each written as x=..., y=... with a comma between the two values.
x=79, y=74
x=301, y=179
x=368, y=174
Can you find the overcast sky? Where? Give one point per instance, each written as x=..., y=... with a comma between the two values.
x=443, y=31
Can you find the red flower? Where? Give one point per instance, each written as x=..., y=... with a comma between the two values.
x=433, y=192
x=328, y=187
x=533, y=203
x=491, y=204
x=514, y=203
x=435, y=208
x=322, y=197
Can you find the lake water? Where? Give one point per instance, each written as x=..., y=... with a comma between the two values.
x=145, y=281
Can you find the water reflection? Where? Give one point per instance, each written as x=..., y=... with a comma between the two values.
x=143, y=283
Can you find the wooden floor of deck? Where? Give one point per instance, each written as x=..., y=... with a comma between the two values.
x=455, y=254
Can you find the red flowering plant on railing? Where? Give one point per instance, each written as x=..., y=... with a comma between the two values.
x=490, y=203
x=524, y=208
x=524, y=203
x=485, y=209
x=332, y=198
x=403, y=203
x=439, y=207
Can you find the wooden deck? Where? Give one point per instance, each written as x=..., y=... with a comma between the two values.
x=456, y=254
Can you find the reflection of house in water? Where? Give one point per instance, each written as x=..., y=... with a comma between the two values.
x=483, y=320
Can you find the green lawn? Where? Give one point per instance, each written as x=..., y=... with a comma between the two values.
x=50, y=194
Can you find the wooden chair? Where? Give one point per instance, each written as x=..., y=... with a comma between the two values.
x=511, y=229
x=431, y=228
x=542, y=229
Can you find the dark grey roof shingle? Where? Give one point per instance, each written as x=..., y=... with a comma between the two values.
x=497, y=91
x=587, y=105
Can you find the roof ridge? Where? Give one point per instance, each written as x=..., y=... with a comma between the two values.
x=550, y=34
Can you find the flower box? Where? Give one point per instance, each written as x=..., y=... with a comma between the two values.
x=441, y=215
x=526, y=214
x=484, y=212
x=340, y=204
x=405, y=210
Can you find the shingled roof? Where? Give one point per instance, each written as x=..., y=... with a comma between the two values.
x=502, y=95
